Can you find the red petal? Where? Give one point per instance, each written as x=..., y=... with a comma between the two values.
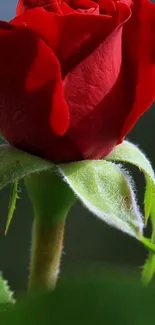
x=19, y=8
x=94, y=85
x=72, y=37
x=57, y=6
x=94, y=92
x=28, y=4
x=139, y=62
x=32, y=107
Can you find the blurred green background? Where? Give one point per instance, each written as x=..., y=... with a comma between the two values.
x=89, y=243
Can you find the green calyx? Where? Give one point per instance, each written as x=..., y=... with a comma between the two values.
x=51, y=197
x=103, y=186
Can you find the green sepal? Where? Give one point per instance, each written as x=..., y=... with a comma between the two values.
x=147, y=243
x=16, y=164
x=129, y=153
x=107, y=191
x=12, y=204
x=51, y=197
x=6, y=295
x=148, y=270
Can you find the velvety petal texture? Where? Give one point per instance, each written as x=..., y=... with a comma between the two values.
x=139, y=62
x=75, y=75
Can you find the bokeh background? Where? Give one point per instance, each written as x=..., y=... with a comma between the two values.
x=89, y=243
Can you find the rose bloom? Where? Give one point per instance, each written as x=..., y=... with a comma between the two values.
x=75, y=75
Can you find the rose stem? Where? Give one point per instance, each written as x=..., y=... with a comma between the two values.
x=51, y=199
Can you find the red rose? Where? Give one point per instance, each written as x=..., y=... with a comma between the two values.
x=75, y=75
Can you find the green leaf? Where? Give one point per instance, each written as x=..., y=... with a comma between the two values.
x=16, y=164
x=147, y=243
x=129, y=153
x=149, y=266
x=6, y=295
x=148, y=269
x=88, y=300
x=12, y=204
x=107, y=191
